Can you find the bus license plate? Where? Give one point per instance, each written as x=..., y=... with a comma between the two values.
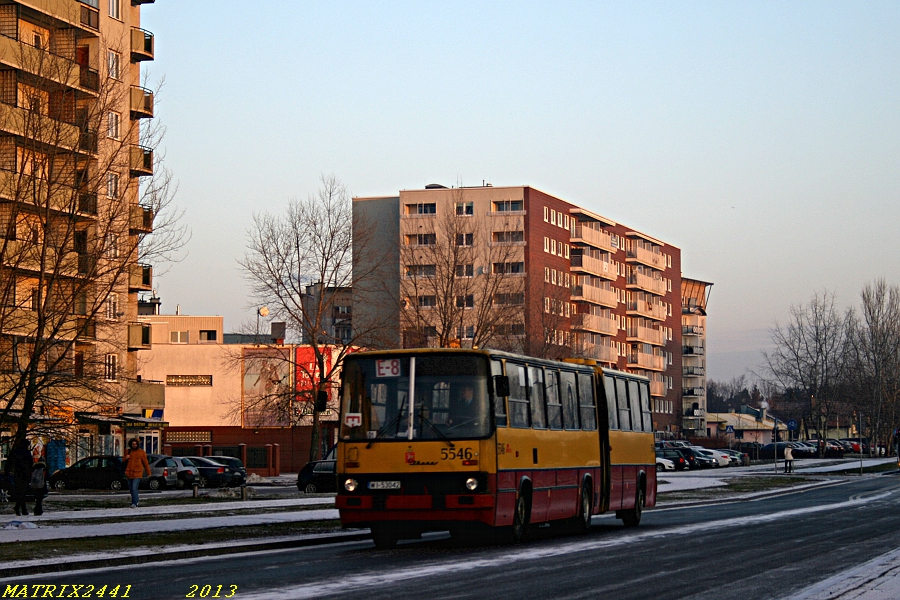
x=384, y=485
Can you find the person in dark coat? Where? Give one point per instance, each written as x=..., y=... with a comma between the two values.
x=18, y=464
x=39, y=492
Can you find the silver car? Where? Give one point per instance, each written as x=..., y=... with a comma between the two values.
x=163, y=472
x=188, y=473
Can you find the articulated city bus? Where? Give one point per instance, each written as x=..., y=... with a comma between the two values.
x=438, y=439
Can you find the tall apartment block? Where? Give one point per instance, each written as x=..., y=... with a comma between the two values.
x=515, y=268
x=71, y=107
x=694, y=298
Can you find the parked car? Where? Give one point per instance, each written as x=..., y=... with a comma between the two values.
x=319, y=475
x=94, y=472
x=664, y=464
x=737, y=457
x=717, y=457
x=163, y=472
x=697, y=460
x=187, y=472
x=212, y=474
x=238, y=472
x=854, y=445
x=678, y=460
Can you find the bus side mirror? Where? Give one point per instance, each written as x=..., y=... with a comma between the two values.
x=501, y=385
x=321, y=401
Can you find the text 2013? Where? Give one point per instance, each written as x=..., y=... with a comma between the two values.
x=211, y=591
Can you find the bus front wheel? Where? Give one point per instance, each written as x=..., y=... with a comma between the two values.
x=522, y=518
x=384, y=535
x=632, y=517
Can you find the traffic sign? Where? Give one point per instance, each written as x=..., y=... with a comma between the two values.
x=792, y=425
x=729, y=429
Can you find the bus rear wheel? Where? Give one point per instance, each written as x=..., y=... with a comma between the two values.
x=384, y=535
x=632, y=517
x=584, y=519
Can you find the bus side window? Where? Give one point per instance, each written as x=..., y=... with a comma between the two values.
x=499, y=401
x=645, y=407
x=586, y=402
x=554, y=408
x=536, y=395
x=570, y=399
x=518, y=396
x=634, y=399
x=609, y=387
x=622, y=402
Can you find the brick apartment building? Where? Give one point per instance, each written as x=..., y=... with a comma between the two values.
x=518, y=269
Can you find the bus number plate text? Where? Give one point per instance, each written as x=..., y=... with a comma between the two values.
x=387, y=368
x=384, y=485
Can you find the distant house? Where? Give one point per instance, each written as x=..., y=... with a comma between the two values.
x=747, y=425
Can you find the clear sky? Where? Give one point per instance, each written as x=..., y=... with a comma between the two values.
x=762, y=138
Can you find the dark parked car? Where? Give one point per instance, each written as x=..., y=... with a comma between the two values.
x=96, y=472
x=212, y=474
x=318, y=476
x=238, y=472
x=675, y=456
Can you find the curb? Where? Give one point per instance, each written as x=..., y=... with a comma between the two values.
x=73, y=565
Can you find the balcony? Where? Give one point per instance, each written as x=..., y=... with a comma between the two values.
x=88, y=78
x=141, y=161
x=85, y=328
x=86, y=263
x=90, y=17
x=645, y=282
x=594, y=266
x=642, y=360
x=140, y=278
x=592, y=237
x=657, y=388
x=146, y=394
x=694, y=371
x=595, y=323
x=141, y=45
x=141, y=103
x=87, y=141
x=139, y=336
x=650, y=310
x=87, y=203
x=590, y=293
x=646, y=257
x=645, y=334
x=693, y=330
x=139, y=2
x=141, y=220
x=692, y=391
x=599, y=352
x=693, y=350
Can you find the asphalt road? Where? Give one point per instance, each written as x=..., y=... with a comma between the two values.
x=767, y=548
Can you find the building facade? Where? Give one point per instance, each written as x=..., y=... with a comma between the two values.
x=518, y=269
x=694, y=298
x=71, y=158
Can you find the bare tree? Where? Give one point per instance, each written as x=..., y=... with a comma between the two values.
x=809, y=355
x=73, y=229
x=875, y=357
x=462, y=279
x=299, y=265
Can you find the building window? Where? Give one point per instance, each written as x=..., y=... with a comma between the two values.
x=507, y=205
x=112, y=246
x=465, y=208
x=467, y=301
x=509, y=268
x=207, y=335
x=546, y=244
x=546, y=274
x=178, y=337
x=465, y=270
x=546, y=214
x=110, y=370
x=112, y=185
x=420, y=270
x=427, y=301
x=566, y=246
x=115, y=9
x=515, y=299
x=509, y=237
x=464, y=239
x=112, y=64
x=112, y=307
x=566, y=221
x=553, y=216
x=553, y=247
x=421, y=209
x=112, y=128
x=421, y=239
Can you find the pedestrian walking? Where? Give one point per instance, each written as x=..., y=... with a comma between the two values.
x=135, y=466
x=788, y=460
x=18, y=464
x=39, y=486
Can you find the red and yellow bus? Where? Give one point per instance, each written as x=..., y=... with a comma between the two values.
x=438, y=439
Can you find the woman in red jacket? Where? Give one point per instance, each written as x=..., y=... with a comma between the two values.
x=135, y=465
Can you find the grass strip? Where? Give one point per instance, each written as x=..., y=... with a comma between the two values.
x=53, y=550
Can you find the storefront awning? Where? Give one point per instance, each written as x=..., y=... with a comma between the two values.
x=135, y=421
x=95, y=418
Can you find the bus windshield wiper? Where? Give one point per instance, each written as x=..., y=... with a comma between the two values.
x=435, y=429
x=395, y=423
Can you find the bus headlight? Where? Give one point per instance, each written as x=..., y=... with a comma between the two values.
x=471, y=484
x=350, y=485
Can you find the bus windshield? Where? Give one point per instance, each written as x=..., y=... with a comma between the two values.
x=450, y=399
